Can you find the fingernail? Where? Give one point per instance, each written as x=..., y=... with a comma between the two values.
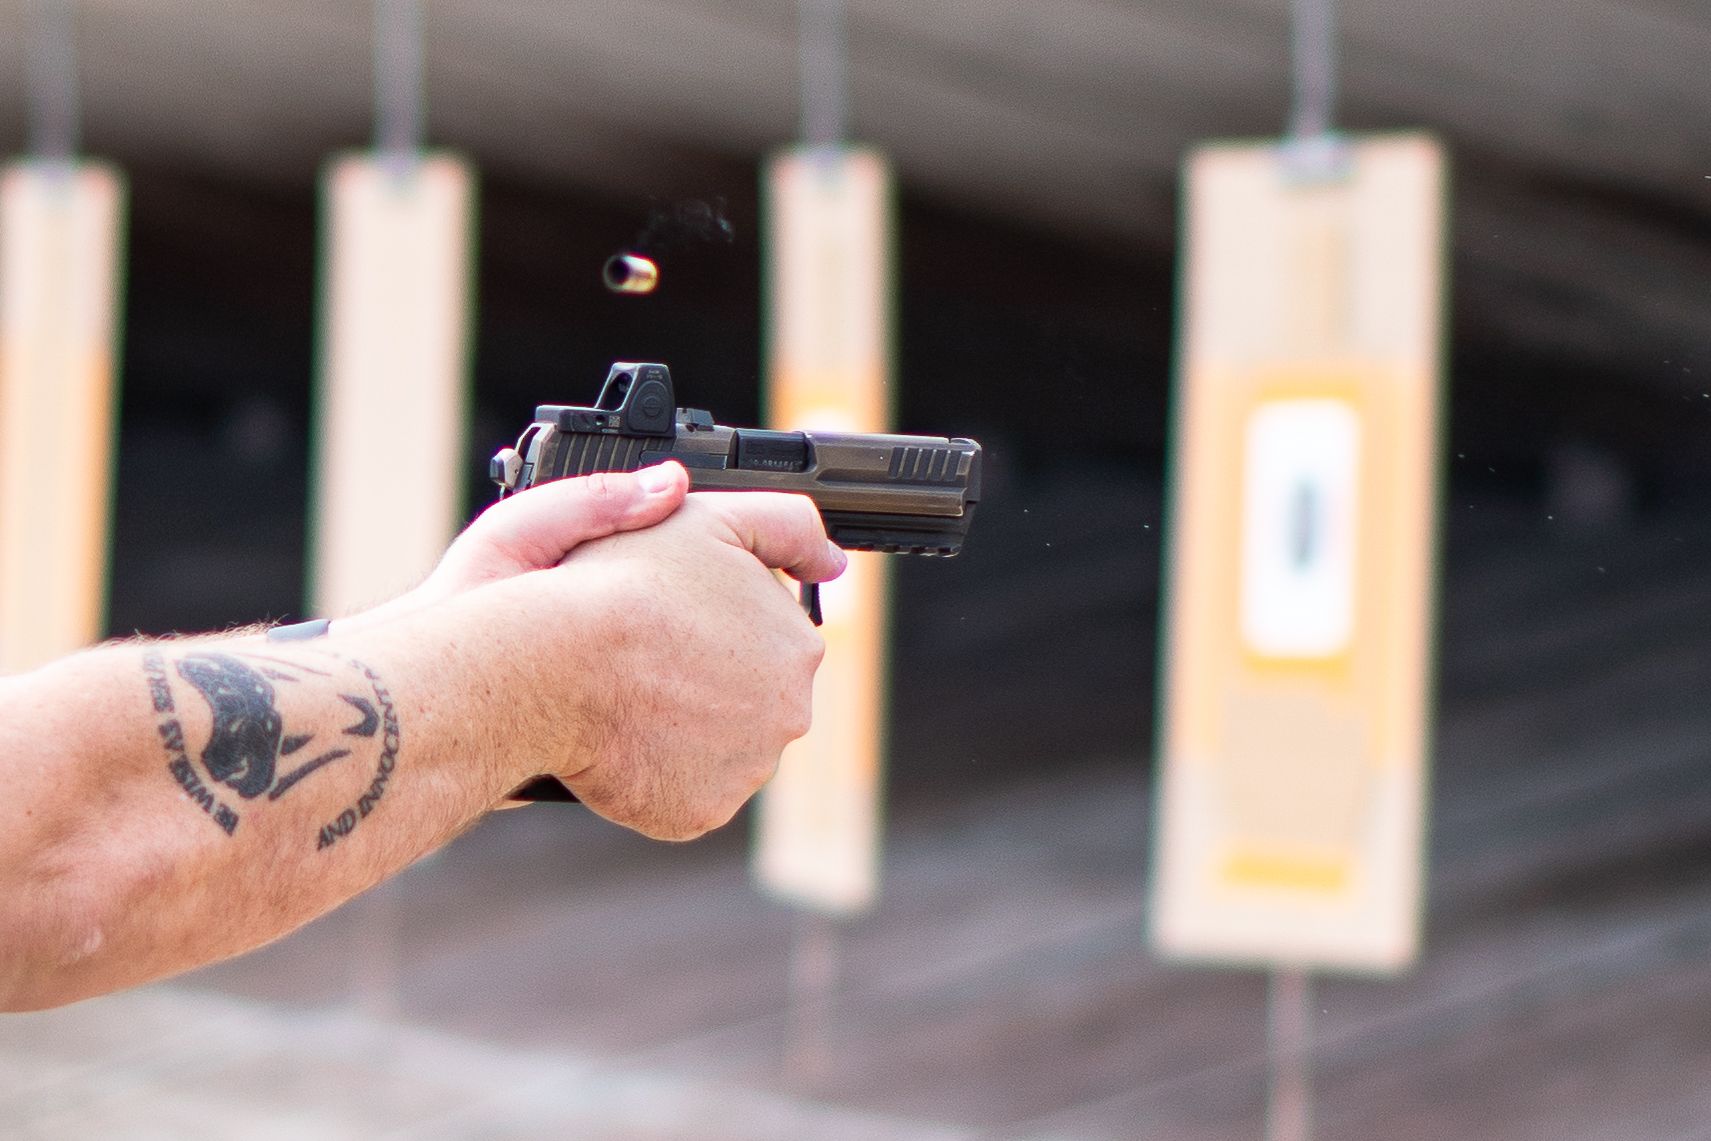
x=839, y=557
x=655, y=479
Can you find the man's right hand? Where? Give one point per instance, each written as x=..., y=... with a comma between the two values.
x=686, y=664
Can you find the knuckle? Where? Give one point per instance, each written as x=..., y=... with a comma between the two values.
x=797, y=514
x=718, y=817
x=601, y=487
x=810, y=515
x=720, y=507
x=814, y=649
x=703, y=819
x=797, y=725
x=802, y=648
x=795, y=712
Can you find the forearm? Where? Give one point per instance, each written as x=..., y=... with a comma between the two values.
x=179, y=802
x=174, y=803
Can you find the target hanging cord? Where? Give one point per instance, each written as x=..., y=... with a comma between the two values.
x=51, y=81
x=399, y=96
x=821, y=45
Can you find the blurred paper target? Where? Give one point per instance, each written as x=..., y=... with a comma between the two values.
x=61, y=229
x=393, y=386
x=1297, y=649
x=828, y=266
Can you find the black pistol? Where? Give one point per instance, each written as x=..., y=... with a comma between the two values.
x=875, y=492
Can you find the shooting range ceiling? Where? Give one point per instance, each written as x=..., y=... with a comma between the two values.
x=1578, y=128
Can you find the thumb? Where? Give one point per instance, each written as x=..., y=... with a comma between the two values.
x=539, y=526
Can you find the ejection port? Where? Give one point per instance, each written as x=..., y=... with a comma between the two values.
x=761, y=450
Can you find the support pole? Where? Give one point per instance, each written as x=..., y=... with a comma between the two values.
x=1288, y=1114
x=817, y=827
x=1313, y=95
x=376, y=954
x=813, y=979
x=396, y=300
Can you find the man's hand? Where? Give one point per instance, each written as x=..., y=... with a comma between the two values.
x=703, y=662
x=661, y=667
x=536, y=528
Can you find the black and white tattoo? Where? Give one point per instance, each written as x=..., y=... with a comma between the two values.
x=253, y=701
x=172, y=737
x=385, y=719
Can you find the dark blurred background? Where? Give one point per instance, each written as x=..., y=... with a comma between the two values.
x=1037, y=146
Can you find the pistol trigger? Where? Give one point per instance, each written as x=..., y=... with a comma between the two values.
x=811, y=601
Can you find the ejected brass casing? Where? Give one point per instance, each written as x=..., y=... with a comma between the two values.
x=630, y=273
